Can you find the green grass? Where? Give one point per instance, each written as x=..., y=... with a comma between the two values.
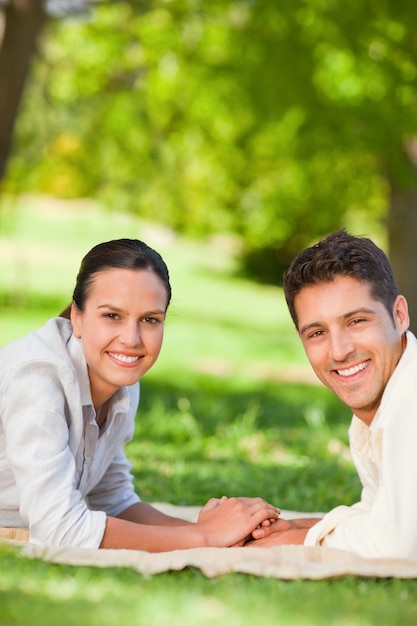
x=38, y=593
x=230, y=408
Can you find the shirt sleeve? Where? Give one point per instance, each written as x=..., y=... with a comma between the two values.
x=115, y=492
x=37, y=408
x=383, y=523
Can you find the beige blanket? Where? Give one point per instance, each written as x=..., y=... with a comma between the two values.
x=285, y=562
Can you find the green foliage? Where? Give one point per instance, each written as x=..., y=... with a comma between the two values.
x=277, y=121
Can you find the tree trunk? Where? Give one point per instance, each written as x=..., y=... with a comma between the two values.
x=402, y=233
x=23, y=23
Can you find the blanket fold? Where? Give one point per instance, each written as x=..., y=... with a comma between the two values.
x=284, y=562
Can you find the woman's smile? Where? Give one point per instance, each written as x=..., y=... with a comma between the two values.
x=121, y=328
x=124, y=359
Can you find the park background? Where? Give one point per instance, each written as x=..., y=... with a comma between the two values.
x=228, y=135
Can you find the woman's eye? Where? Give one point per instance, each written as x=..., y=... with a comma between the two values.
x=151, y=320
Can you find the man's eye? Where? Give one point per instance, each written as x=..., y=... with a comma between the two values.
x=317, y=333
x=111, y=316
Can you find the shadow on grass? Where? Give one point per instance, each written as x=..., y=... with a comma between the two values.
x=284, y=442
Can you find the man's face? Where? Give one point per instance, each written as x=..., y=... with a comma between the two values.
x=351, y=341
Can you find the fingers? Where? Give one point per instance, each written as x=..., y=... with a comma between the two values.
x=257, y=505
x=254, y=501
x=213, y=502
x=279, y=525
x=261, y=513
x=260, y=532
x=269, y=521
x=231, y=521
x=251, y=504
x=255, y=511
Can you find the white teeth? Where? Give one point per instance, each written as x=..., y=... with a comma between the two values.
x=123, y=358
x=353, y=370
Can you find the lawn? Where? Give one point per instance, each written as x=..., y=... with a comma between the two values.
x=230, y=408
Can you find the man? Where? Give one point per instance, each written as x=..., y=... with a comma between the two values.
x=353, y=324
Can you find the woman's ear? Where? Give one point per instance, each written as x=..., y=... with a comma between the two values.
x=75, y=320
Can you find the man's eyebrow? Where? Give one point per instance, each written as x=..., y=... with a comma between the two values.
x=307, y=327
x=360, y=311
x=345, y=316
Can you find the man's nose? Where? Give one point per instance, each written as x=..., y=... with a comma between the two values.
x=341, y=345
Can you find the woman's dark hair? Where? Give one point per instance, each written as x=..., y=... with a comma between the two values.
x=130, y=254
x=341, y=254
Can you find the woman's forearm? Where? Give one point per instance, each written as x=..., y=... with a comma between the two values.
x=231, y=521
x=144, y=513
x=123, y=534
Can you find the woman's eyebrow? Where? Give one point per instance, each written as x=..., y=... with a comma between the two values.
x=117, y=309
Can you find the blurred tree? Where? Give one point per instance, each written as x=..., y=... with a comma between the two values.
x=21, y=25
x=278, y=121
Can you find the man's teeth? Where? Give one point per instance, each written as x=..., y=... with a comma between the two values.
x=353, y=370
x=124, y=358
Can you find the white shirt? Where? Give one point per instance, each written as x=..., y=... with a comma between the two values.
x=59, y=474
x=384, y=522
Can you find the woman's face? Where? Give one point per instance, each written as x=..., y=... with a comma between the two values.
x=121, y=328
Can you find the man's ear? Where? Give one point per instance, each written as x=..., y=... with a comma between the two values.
x=75, y=317
x=400, y=312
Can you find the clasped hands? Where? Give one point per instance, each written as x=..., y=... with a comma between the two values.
x=244, y=521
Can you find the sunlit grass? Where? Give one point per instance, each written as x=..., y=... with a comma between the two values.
x=38, y=593
x=230, y=408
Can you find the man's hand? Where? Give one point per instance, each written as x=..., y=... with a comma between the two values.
x=282, y=532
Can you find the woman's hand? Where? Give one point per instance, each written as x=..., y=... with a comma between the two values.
x=229, y=522
x=210, y=504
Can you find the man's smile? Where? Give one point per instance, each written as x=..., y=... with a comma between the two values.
x=351, y=371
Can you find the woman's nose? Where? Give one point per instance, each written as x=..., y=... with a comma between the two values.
x=130, y=335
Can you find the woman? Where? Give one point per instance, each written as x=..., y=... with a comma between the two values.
x=69, y=393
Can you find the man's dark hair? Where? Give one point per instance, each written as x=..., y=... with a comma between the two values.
x=341, y=254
